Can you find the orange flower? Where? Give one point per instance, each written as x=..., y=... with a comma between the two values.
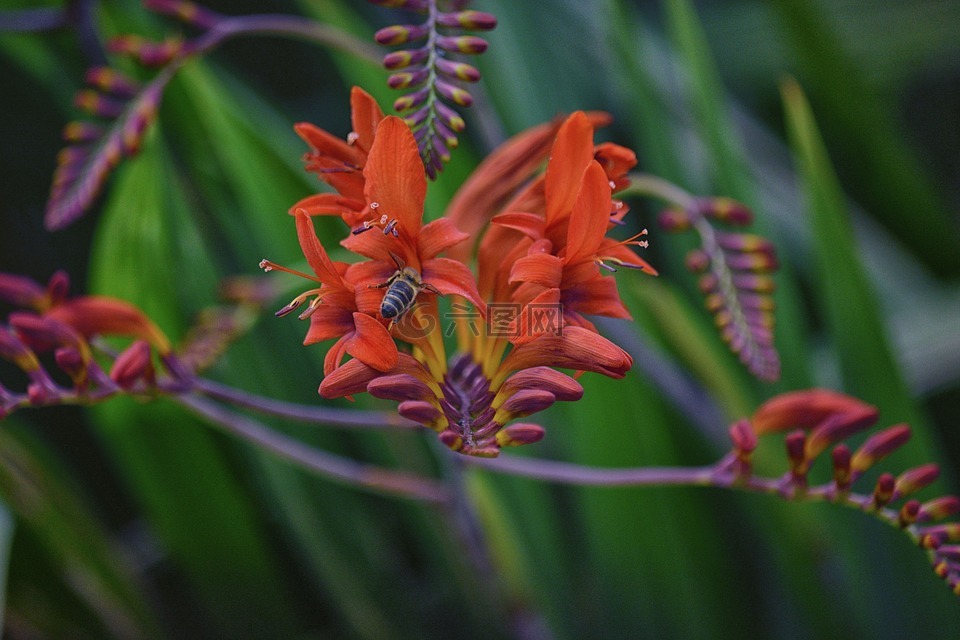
x=340, y=163
x=333, y=311
x=548, y=248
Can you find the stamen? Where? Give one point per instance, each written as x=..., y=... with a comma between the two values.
x=603, y=265
x=269, y=266
x=633, y=240
x=314, y=305
x=352, y=138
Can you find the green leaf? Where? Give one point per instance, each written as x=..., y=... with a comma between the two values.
x=149, y=251
x=867, y=366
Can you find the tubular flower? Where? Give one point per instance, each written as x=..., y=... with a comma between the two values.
x=516, y=322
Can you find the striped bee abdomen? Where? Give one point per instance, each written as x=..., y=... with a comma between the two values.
x=399, y=297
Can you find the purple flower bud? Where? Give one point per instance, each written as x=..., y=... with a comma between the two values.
x=462, y=44
x=883, y=490
x=473, y=20
x=938, y=509
x=20, y=291
x=78, y=131
x=406, y=79
x=73, y=362
x=412, y=100
x=840, y=457
x=524, y=403
x=451, y=439
x=132, y=365
x=97, y=104
x=450, y=117
x=44, y=334
x=400, y=386
x=674, y=220
x=457, y=70
x=725, y=210
x=520, y=434
x=420, y=411
x=14, y=350
x=111, y=81
x=915, y=479
x=404, y=58
x=879, y=446
x=187, y=12
x=697, y=261
x=401, y=34
x=454, y=93
x=908, y=513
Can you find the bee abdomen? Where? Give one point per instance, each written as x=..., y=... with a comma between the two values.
x=398, y=299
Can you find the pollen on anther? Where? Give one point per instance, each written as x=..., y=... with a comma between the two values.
x=266, y=265
x=352, y=137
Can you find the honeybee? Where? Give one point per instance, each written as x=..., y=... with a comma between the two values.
x=402, y=289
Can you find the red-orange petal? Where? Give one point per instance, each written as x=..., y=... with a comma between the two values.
x=597, y=297
x=365, y=115
x=326, y=204
x=329, y=321
x=452, y=277
x=576, y=348
x=315, y=254
x=100, y=315
x=529, y=224
x=538, y=268
x=590, y=216
x=372, y=344
x=572, y=153
x=438, y=236
x=805, y=409
x=395, y=178
x=327, y=144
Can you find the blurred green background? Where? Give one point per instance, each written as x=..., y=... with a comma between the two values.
x=135, y=520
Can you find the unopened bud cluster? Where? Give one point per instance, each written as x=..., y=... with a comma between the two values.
x=430, y=74
x=734, y=270
x=818, y=420
x=47, y=323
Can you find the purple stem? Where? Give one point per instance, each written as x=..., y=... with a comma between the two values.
x=569, y=473
x=33, y=20
x=325, y=416
x=279, y=24
x=344, y=470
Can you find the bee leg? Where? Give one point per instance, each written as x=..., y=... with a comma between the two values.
x=383, y=285
x=426, y=286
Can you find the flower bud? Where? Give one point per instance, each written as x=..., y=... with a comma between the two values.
x=879, y=446
x=462, y=44
x=401, y=34
x=132, y=365
x=405, y=58
x=915, y=479
x=520, y=434
x=472, y=20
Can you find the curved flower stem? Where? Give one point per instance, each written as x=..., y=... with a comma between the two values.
x=321, y=416
x=334, y=467
x=644, y=184
x=279, y=24
x=569, y=473
x=33, y=20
